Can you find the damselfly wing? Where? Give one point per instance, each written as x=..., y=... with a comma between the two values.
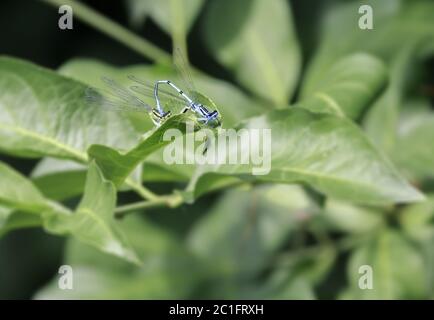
x=117, y=98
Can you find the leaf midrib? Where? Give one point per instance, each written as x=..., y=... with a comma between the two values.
x=76, y=154
x=91, y=214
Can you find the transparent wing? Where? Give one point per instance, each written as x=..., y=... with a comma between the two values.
x=124, y=94
x=175, y=105
x=182, y=66
x=105, y=99
x=147, y=89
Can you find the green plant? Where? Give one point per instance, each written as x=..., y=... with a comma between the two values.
x=343, y=154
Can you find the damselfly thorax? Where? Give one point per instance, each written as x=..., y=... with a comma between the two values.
x=205, y=116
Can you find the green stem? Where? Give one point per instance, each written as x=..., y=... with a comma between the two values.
x=114, y=30
x=178, y=26
x=141, y=190
x=172, y=201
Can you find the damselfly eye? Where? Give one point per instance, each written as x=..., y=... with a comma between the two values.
x=214, y=122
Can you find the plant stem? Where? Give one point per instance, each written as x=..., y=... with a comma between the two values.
x=178, y=26
x=114, y=30
x=141, y=190
x=172, y=201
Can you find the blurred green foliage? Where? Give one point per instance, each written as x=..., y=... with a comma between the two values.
x=351, y=181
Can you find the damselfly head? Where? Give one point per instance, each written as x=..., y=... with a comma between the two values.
x=211, y=119
x=214, y=121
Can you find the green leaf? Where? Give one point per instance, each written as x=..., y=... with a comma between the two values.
x=11, y=220
x=348, y=87
x=22, y=204
x=50, y=175
x=257, y=42
x=329, y=153
x=17, y=192
x=93, y=221
x=45, y=114
x=116, y=166
x=239, y=242
x=156, y=170
x=391, y=257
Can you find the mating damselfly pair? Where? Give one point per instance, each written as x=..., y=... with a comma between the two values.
x=118, y=97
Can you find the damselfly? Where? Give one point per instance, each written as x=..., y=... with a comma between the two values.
x=118, y=97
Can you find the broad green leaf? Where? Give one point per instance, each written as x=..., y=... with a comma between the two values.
x=17, y=192
x=50, y=175
x=348, y=87
x=326, y=152
x=256, y=40
x=45, y=114
x=346, y=217
x=166, y=13
x=233, y=105
x=398, y=268
x=245, y=228
x=93, y=221
x=21, y=203
x=166, y=273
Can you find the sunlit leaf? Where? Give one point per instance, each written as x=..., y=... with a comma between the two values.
x=42, y=113
x=329, y=153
